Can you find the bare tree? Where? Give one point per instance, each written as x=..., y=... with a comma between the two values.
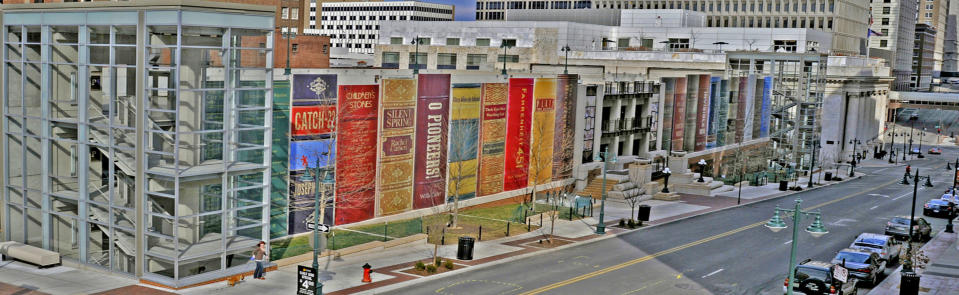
x=463, y=147
x=435, y=226
x=540, y=162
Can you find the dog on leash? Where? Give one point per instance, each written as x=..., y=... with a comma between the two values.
x=232, y=280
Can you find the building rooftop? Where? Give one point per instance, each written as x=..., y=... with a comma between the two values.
x=138, y=4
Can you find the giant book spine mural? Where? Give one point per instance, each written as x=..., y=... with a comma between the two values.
x=702, y=111
x=565, y=126
x=519, y=116
x=669, y=85
x=356, y=147
x=492, y=138
x=396, y=146
x=692, y=105
x=544, y=120
x=464, y=141
x=679, y=114
x=432, y=121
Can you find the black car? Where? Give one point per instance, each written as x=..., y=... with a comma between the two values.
x=817, y=277
x=899, y=227
x=936, y=207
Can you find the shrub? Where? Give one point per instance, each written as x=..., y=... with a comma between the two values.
x=622, y=222
x=438, y=261
x=631, y=223
x=420, y=265
x=431, y=268
x=448, y=264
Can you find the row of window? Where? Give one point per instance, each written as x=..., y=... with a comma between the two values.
x=388, y=8
x=351, y=45
x=719, y=7
x=767, y=22
x=384, y=17
x=351, y=27
x=454, y=41
x=353, y=36
x=290, y=13
x=443, y=60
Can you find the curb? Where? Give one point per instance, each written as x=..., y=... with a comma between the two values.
x=586, y=242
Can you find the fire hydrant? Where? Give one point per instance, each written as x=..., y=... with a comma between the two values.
x=367, y=270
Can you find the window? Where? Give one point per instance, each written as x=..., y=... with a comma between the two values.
x=452, y=41
x=928, y=6
x=474, y=61
x=508, y=58
x=285, y=13
x=928, y=14
x=423, y=41
x=622, y=43
x=678, y=43
x=294, y=13
x=883, y=43
x=446, y=61
x=362, y=17
x=885, y=10
x=884, y=32
x=784, y=45
x=294, y=47
x=418, y=60
x=482, y=41
x=646, y=42
x=402, y=17
x=885, y=21
x=509, y=42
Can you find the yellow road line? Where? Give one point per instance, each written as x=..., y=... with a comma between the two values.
x=679, y=248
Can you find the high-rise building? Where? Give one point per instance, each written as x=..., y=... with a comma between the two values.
x=894, y=25
x=847, y=20
x=923, y=57
x=354, y=25
x=153, y=167
x=950, y=47
x=933, y=13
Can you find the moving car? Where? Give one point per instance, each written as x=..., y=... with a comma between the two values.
x=936, y=207
x=863, y=265
x=887, y=247
x=935, y=151
x=817, y=277
x=899, y=227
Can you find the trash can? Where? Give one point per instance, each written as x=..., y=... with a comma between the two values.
x=643, y=213
x=464, y=251
x=828, y=176
x=783, y=185
x=909, y=285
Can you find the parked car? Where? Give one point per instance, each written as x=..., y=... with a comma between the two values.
x=936, y=208
x=899, y=227
x=818, y=278
x=949, y=197
x=863, y=265
x=935, y=151
x=887, y=247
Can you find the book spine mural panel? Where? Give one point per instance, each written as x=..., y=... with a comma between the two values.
x=740, y=108
x=544, y=120
x=702, y=118
x=493, y=138
x=396, y=146
x=692, y=105
x=589, y=127
x=748, y=107
x=679, y=114
x=757, y=107
x=518, y=119
x=713, y=134
x=766, y=112
x=669, y=86
x=306, y=155
x=464, y=141
x=356, y=149
x=432, y=121
x=565, y=126
x=314, y=89
x=723, y=117
x=310, y=121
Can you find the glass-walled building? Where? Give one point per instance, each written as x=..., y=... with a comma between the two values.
x=136, y=135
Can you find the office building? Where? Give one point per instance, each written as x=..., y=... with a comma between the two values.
x=354, y=25
x=933, y=14
x=894, y=22
x=846, y=20
x=155, y=167
x=923, y=58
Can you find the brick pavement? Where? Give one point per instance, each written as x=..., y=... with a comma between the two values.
x=7, y=289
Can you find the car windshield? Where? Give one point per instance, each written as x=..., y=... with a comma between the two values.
x=852, y=257
x=804, y=273
x=873, y=246
x=872, y=241
x=900, y=220
x=938, y=202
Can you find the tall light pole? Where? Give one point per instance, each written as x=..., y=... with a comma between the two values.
x=920, y=143
x=812, y=164
x=321, y=177
x=907, y=265
x=855, y=143
x=816, y=229
x=504, y=46
x=912, y=128
x=565, y=61
x=289, y=35
x=606, y=158
x=416, y=55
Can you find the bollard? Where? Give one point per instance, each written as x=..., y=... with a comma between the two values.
x=480, y=238
x=443, y=237
x=570, y=213
x=386, y=227
x=527, y=227
x=541, y=220
x=507, y=228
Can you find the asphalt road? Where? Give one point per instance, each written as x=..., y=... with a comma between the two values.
x=727, y=252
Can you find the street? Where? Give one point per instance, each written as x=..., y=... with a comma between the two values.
x=728, y=252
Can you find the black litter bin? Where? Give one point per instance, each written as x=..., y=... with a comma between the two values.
x=909, y=285
x=464, y=251
x=643, y=213
x=828, y=176
x=783, y=185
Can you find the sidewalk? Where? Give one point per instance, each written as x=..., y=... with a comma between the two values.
x=941, y=274
x=392, y=265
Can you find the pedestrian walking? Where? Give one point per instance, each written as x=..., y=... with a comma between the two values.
x=258, y=255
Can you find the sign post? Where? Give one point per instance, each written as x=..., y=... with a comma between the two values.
x=305, y=280
x=840, y=274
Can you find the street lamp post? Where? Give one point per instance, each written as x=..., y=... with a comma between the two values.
x=812, y=164
x=907, y=265
x=702, y=168
x=320, y=175
x=666, y=172
x=816, y=229
x=920, y=143
x=504, y=46
x=606, y=158
x=855, y=143
x=416, y=55
x=912, y=128
x=289, y=35
x=565, y=61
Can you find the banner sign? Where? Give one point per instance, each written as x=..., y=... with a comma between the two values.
x=464, y=141
x=313, y=120
x=356, y=151
x=518, y=119
x=564, y=141
x=544, y=120
x=305, y=280
x=432, y=121
x=396, y=146
x=492, y=138
x=314, y=89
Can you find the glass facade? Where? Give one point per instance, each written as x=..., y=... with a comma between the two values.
x=84, y=150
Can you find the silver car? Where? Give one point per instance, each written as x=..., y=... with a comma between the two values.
x=887, y=247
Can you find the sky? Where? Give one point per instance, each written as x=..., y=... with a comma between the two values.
x=465, y=9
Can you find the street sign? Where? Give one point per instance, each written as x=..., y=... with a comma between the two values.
x=305, y=280
x=323, y=227
x=840, y=273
